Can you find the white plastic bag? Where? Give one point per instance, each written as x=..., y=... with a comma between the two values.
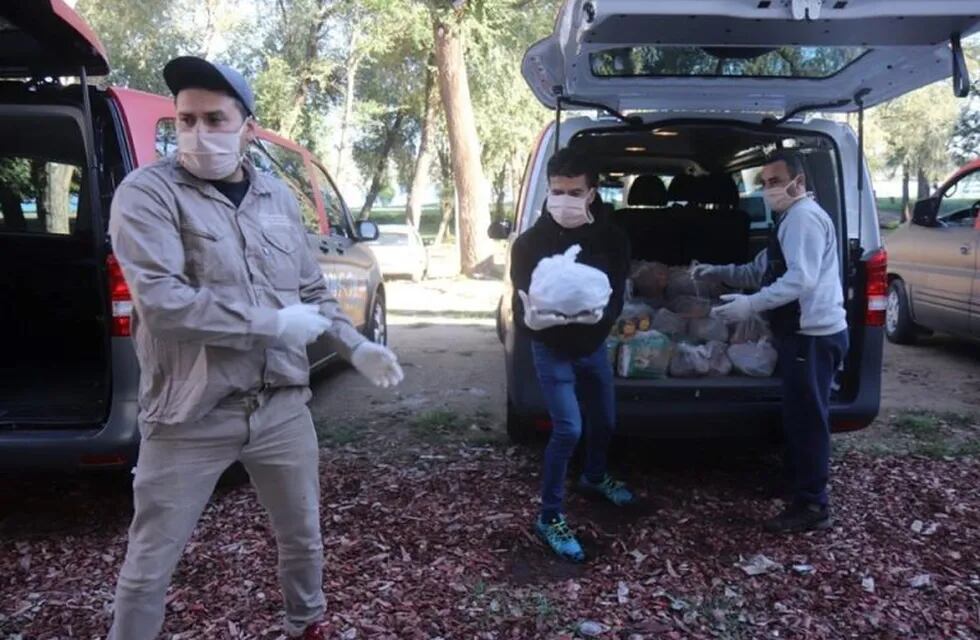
x=669, y=323
x=720, y=363
x=756, y=359
x=690, y=361
x=708, y=330
x=753, y=329
x=560, y=285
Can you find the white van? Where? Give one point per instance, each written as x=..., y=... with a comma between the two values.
x=687, y=100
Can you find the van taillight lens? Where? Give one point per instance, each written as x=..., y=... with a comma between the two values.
x=119, y=297
x=876, y=292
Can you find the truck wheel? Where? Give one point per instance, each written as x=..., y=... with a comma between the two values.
x=899, y=327
x=377, y=325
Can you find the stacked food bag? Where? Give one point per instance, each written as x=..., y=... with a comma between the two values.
x=666, y=329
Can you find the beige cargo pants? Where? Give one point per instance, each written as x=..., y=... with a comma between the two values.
x=179, y=465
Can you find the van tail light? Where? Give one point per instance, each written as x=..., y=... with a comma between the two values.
x=120, y=298
x=876, y=291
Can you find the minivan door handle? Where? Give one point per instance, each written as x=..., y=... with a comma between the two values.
x=965, y=250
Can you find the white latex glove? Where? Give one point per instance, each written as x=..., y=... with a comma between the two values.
x=537, y=321
x=737, y=309
x=378, y=364
x=701, y=271
x=300, y=324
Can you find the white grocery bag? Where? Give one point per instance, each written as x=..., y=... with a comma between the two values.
x=560, y=285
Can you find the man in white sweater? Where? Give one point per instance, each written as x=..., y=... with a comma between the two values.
x=799, y=280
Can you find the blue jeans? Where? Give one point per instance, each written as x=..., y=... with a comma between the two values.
x=807, y=365
x=565, y=382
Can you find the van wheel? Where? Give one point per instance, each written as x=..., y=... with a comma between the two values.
x=899, y=327
x=518, y=429
x=377, y=326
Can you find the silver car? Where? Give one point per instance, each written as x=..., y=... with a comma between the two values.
x=933, y=284
x=401, y=252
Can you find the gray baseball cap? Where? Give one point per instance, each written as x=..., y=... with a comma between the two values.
x=191, y=72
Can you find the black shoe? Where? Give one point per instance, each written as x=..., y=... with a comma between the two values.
x=800, y=517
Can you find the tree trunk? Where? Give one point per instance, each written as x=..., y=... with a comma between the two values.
x=423, y=162
x=57, y=198
x=924, y=189
x=353, y=63
x=474, y=218
x=905, y=193
x=382, y=165
x=447, y=204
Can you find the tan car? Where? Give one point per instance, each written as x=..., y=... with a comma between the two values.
x=933, y=264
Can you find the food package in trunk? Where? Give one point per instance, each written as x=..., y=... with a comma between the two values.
x=669, y=323
x=752, y=329
x=708, y=329
x=560, y=285
x=755, y=359
x=681, y=282
x=636, y=317
x=646, y=355
x=720, y=365
x=612, y=350
x=690, y=360
x=649, y=279
x=690, y=306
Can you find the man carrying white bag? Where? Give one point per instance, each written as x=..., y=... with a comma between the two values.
x=570, y=271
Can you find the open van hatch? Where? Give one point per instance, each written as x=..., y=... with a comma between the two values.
x=748, y=56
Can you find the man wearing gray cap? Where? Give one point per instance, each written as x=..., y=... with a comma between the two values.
x=227, y=296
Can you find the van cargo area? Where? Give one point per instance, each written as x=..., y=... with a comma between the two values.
x=691, y=191
x=54, y=341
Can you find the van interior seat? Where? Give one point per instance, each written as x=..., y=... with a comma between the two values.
x=649, y=223
x=703, y=221
x=716, y=231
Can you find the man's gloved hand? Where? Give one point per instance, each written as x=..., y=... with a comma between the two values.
x=701, y=271
x=301, y=324
x=737, y=309
x=537, y=321
x=378, y=364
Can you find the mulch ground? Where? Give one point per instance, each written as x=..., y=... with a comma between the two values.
x=438, y=545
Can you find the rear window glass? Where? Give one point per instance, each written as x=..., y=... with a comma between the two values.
x=39, y=196
x=783, y=62
x=391, y=239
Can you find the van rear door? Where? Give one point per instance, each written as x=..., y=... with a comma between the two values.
x=746, y=55
x=46, y=38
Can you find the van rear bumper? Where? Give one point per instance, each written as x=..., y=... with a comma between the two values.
x=723, y=408
x=38, y=447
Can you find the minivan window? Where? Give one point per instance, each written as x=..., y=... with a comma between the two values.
x=38, y=196
x=333, y=205
x=782, y=62
x=958, y=204
x=287, y=165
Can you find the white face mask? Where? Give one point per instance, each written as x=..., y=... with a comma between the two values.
x=210, y=155
x=570, y=212
x=779, y=198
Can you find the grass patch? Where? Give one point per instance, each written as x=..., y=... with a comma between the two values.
x=931, y=434
x=333, y=435
x=440, y=426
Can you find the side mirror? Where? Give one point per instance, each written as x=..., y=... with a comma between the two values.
x=367, y=231
x=500, y=230
x=925, y=212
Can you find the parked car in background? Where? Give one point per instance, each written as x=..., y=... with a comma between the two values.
x=68, y=370
x=401, y=252
x=933, y=266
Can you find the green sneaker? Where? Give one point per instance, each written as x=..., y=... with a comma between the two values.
x=612, y=490
x=560, y=538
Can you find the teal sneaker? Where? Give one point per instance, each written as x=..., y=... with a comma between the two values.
x=612, y=490
x=560, y=538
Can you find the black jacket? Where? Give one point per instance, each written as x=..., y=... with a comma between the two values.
x=604, y=246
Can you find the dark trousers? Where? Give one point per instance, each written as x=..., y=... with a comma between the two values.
x=565, y=382
x=808, y=365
